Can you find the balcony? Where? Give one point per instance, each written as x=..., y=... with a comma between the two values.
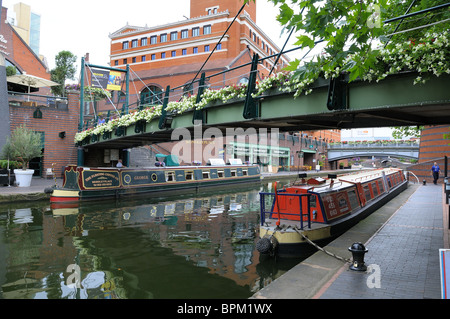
x=35, y=100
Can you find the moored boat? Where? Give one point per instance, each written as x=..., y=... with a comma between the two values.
x=85, y=183
x=319, y=209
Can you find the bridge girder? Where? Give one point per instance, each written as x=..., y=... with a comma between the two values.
x=394, y=101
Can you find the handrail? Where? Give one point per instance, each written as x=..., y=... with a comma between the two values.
x=409, y=172
x=263, y=211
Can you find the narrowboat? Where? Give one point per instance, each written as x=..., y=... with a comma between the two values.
x=85, y=183
x=320, y=209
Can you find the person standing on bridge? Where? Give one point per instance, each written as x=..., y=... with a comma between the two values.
x=435, y=170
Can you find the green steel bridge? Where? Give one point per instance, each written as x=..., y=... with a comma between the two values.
x=335, y=104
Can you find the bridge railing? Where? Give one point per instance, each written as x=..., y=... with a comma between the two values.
x=188, y=90
x=374, y=144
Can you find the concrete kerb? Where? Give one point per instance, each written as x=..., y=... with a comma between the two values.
x=308, y=279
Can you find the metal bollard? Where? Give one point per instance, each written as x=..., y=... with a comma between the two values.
x=447, y=189
x=424, y=182
x=358, y=251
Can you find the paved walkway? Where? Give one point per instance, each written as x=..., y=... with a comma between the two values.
x=404, y=252
x=403, y=239
x=34, y=192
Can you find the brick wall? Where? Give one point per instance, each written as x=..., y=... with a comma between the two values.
x=61, y=151
x=423, y=170
x=432, y=143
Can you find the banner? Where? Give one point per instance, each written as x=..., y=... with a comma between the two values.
x=108, y=80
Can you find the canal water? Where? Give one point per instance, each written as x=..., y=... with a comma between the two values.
x=200, y=246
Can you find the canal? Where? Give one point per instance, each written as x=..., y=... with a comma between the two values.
x=200, y=246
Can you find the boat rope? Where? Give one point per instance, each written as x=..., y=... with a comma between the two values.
x=346, y=260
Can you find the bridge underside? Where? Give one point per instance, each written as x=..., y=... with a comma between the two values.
x=394, y=101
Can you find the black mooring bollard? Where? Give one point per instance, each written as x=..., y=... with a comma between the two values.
x=424, y=182
x=358, y=250
x=447, y=189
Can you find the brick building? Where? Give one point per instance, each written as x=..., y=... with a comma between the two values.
x=434, y=146
x=55, y=119
x=172, y=54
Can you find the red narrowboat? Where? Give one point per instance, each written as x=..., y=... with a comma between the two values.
x=320, y=209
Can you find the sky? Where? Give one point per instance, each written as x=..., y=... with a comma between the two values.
x=84, y=25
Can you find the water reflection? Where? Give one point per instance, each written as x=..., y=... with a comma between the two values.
x=191, y=247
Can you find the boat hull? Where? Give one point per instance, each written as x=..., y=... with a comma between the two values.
x=84, y=184
x=289, y=242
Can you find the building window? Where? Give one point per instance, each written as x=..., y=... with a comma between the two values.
x=125, y=61
x=173, y=36
x=153, y=39
x=207, y=29
x=153, y=57
x=133, y=60
x=215, y=10
x=195, y=50
x=143, y=58
x=195, y=32
x=206, y=48
x=219, y=46
x=143, y=42
x=173, y=54
x=151, y=95
x=134, y=43
x=163, y=55
x=116, y=62
x=184, y=34
x=125, y=45
x=183, y=52
x=163, y=38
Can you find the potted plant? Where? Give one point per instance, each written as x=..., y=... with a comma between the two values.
x=22, y=146
x=6, y=177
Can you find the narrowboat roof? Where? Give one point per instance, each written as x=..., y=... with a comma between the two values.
x=320, y=185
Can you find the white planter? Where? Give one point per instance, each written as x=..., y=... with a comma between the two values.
x=23, y=177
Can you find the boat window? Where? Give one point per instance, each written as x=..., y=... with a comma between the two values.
x=374, y=189
x=170, y=176
x=389, y=182
x=380, y=185
x=189, y=175
x=244, y=172
x=354, y=203
x=220, y=174
x=233, y=172
x=312, y=201
x=367, y=193
x=205, y=174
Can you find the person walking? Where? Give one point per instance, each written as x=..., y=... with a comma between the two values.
x=435, y=170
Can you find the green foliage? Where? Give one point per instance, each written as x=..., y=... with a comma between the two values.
x=12, y=164
x=401, y=132
x=11, y=70
x=398, y=8
x=64, y=70
x=352, y=32
x=22, y=146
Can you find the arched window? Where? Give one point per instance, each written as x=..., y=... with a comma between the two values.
x=152, y=95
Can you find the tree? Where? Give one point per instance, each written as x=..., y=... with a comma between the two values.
x=23, y=145
x=347, y=28
x=11, y=70
x=401, y=132
x=64, y=70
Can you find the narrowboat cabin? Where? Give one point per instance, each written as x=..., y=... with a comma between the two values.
x=319, y=209
x=85, y=183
